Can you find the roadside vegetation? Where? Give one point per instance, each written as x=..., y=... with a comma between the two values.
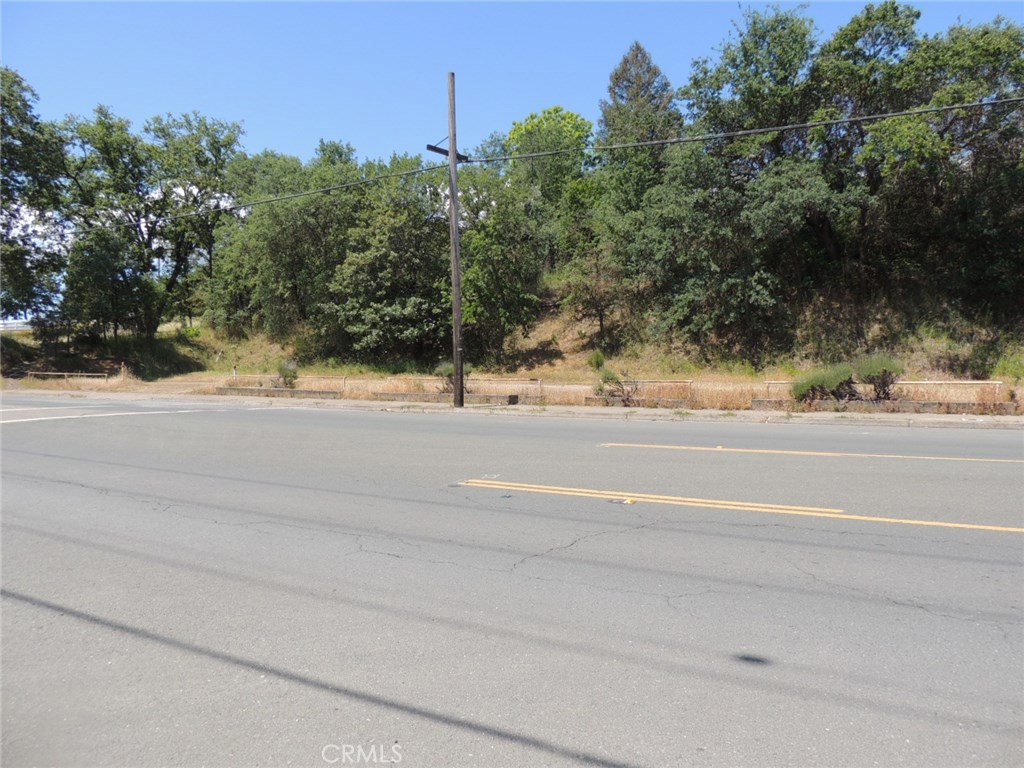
x=716, y=249
x=558, y=351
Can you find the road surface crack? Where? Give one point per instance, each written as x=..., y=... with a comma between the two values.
x=914, y=604
x=565, y=547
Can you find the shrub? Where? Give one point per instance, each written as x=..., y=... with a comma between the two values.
x=596, y=360
x=880, y=371
x=835, y=382
x=1010, y=366
x=288, y=371
x=446, y=372
x=615, y=386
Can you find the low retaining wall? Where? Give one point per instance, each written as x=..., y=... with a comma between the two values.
x=636, y=402
x=319, y=394
x=333, y=394
x=758, y=404
x=446, y=397
x=888, y=406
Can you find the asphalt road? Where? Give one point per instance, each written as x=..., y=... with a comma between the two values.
x=222, y=583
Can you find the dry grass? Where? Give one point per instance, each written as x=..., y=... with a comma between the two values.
x=724, y=395
x=954, y=391
x=704, y=391
x=551, y=365
x=120, y=383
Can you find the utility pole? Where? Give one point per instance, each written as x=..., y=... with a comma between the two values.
x=453, y=230
x=453, y=224
x=454, y=158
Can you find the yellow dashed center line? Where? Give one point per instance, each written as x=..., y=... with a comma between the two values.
x=741, y=506
x=832, y=454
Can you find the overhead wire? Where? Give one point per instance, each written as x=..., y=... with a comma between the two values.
x=307, y=193
x=697, y=138
x=746, y=132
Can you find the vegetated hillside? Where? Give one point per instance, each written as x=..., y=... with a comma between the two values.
x=559, y=349
x=795, y=200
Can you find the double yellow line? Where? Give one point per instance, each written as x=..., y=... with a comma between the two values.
x=741, y=506
x=829, y=454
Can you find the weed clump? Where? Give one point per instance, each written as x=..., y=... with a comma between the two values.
x=834, y=382
x=613, y=385
x=446, y=372
x=288, y=373
x=839, y=382
x=880, y=371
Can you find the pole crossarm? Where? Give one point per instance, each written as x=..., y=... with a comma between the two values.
x=441, y=151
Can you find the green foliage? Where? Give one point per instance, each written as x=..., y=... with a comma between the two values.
x=446, y=372
x=552, y=130
x=387, y=298
x=591, y=277
x=502, y=263
x=621, y=387
x=276, y=264
x=835, y=382
x=596, y=360
x=875, y=364
x=288, y=373
x=31, y=155
x=128, y=193
x=838, y=381
x=640, y=108
x=880, y=371
x=1010, y=367
x=17, y=355
x=827, y=242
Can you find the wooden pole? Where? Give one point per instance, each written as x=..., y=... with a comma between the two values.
x=453, y=224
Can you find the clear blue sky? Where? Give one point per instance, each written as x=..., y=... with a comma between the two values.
x=371, y=74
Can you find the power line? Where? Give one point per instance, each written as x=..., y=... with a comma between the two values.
x=748, y=132
x=308, y=193
x=592, y=148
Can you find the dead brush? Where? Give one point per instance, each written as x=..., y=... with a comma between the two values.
x=984, y=392
x=723, y=395
x=119, y=383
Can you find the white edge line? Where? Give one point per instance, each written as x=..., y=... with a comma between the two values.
x=109, y=415
x=49, y=408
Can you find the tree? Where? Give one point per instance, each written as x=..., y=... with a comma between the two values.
x=718, y=289
x=105, y=289
x=111, y=187
x=162, y=191
x=194, y=153
x=591, y=278
x=540, y=182
x=243, y=243
x=277, y=262
x=760, y=80
x=640, y=108
x=856, y=229
x=553, y=130
x=952, y=183
x=31, y=164
x=503, y=249
x=387, y=299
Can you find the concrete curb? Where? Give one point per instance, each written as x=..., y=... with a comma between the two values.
x=615, y=413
